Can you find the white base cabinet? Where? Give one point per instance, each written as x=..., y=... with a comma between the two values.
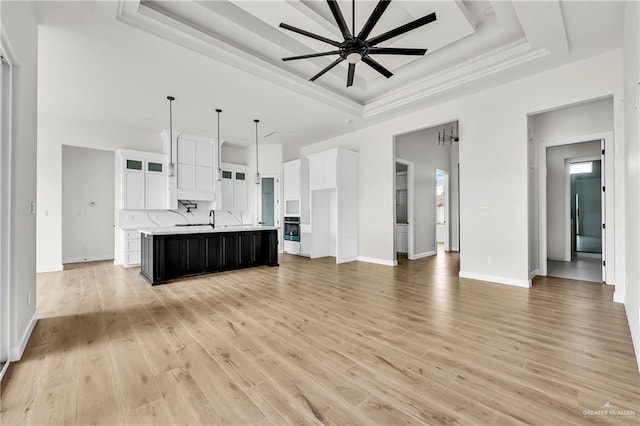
x=131, y=243
x=402, y=238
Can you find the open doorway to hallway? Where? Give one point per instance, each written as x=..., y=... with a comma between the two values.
x=574, y=247
x=442, y=211
x=571, y=188
x=425, y=175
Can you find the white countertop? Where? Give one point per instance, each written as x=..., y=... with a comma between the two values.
x=177, y=230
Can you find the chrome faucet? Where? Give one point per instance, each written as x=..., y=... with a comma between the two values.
x=212, y=218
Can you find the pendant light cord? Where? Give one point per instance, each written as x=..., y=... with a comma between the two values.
x=257, y=168
x=219, y=153
x=171, y=99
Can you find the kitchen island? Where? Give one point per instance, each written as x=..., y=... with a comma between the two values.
x=169, y=253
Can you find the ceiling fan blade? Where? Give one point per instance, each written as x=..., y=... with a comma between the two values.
x=396, y=51
x=311, y=55
x=350, y=75
x=308, y=34
x=337, y=15
x=373, y=19
x=333, y=64
x=376, y=66
x=403, y=29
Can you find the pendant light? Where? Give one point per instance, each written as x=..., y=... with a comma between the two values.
x=257, y=169
x=171, y=165
x=219, y=170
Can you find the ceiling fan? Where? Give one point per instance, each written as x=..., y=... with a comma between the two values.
x=356, y=48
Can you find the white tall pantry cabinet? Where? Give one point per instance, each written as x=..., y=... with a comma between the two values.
x=333, y=185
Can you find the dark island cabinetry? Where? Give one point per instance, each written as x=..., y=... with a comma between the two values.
x=167, y=257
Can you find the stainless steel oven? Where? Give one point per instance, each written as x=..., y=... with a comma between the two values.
x=292, y=228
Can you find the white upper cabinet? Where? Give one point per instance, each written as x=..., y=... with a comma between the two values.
x=291, y=176
x=156, y=185
x=322, y=170
x=133, y=197
x=195, y=160
x=186, y=151
x=205, y=155
x=233, y=188
x=143, y=180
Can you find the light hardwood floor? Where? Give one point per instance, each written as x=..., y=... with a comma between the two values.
x=311, y=342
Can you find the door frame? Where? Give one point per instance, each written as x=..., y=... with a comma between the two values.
x=276, y=198
x=411, y=255
x=567, y=200
x=609, y=200
x=6, y=83
x=447, y=239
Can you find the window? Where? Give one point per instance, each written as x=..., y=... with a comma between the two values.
x=578, y=168
x=134, y=165
x=154, y=167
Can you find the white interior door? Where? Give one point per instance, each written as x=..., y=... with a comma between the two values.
x=269, y=199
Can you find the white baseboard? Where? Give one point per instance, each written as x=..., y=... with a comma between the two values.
x=534, y=273
x=495, y=279
x=618, y=297
x=88, y=259
x=17, y=351
x=425, y=254
x=377, y=261
x=558, y=259
x=53, y=268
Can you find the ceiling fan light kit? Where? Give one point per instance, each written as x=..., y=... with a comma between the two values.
x=357, y=48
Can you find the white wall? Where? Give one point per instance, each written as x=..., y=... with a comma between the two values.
x=422, y=148
x=20, y=42
x=632, y=190
x=87, y=229
x=557, y=214
x=575, y=120
x=493, y=198
x=53, y=132
x=234, y=155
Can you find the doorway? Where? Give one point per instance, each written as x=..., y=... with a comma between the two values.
x=88, y=197
x=442, y=211
x=404, y=202
x=576, y=209
x=424, y=152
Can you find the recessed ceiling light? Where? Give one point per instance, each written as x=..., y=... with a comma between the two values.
x=348, y=120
